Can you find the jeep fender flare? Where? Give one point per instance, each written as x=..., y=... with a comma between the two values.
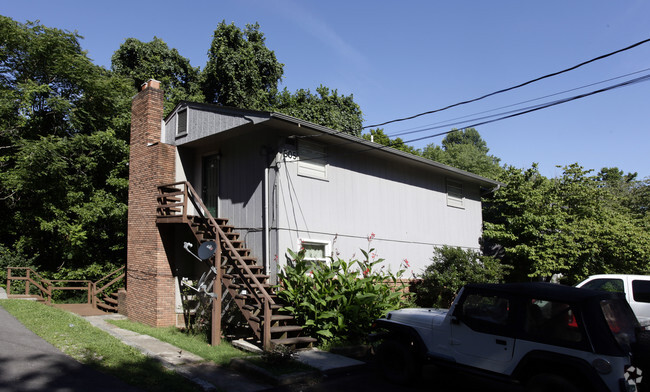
x=405, y=334
x=574, y=369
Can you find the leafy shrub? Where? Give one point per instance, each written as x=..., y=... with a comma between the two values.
x=337, y=301
x=453, y=268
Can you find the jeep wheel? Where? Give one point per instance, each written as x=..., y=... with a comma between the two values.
x=397, y=363
x=546, y=382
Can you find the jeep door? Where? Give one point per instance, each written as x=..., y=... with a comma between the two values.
x=482, y=330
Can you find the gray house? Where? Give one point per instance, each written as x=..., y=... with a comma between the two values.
x=286, y=183
x=281, y=183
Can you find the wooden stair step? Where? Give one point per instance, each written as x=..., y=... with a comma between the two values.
x=257, y=307
x=295, y=340
x=110, y=300
x=286, y=328
x=274, y=317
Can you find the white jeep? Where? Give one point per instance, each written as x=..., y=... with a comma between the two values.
x=543, y=336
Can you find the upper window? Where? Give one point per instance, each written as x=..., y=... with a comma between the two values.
x=455, y=196
x=312, y=160
x=181, y=123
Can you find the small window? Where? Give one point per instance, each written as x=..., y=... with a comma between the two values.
x=455, y=194
x=312, y=160
x=641, y=290
x=315, y=250
x=181, y=123
x=485, y=309
x=552, y=322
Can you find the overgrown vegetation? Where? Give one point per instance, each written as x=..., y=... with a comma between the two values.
x=77, y=338
x=338, y=300
x=453, y=268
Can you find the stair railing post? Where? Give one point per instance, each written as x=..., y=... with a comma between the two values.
x=267, y=326
x=90, y=293
x=9, y=281
x=27, y=282
x=48, y=284
x=216, y=299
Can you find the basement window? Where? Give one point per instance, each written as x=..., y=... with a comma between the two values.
x=181, y=123
x=455, y=196
x=312, y=160
x=316, y=251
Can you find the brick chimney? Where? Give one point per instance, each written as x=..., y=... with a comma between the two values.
x=149, y=280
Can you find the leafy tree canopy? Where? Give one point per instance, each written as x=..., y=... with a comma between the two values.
x=574, y=225
x=466, y=150
x=379, y=136
x=326, y=108
x=63, y=126
x=141, y=61
x=241, y=71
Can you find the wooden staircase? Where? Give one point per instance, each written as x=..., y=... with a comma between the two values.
x=243, y=279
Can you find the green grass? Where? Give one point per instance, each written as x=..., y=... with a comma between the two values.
x=221, y=354
x=196, y=344
x=79, y=339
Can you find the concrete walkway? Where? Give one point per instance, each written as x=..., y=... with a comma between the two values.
x=211, y=376
x=208, y=375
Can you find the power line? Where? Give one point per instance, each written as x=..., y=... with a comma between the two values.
x=450, y=123
x=511, y=88
x=502, y=116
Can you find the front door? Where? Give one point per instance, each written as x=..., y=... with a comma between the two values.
x=210, y=191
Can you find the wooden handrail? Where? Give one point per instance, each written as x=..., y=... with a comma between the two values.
x=45, y=288
x=258, y=291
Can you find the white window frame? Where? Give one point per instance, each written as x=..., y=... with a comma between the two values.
x=455, y=194
x=178, y=122
x=309, y=241
x=312, y=160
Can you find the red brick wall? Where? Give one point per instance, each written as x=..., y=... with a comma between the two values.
x=149, y=281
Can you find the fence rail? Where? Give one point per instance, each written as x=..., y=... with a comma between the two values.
x=46, y=287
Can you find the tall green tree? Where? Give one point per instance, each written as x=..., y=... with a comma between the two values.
x=141, y=61
x=326, y=108
x=465, y=149
x=241, y=71
x=379, y=136
x=63, y=126
x=576, y=225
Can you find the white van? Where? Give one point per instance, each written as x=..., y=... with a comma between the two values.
x=635, y=287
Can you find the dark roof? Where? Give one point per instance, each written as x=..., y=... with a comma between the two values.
x=489, y=185
x=545, y=291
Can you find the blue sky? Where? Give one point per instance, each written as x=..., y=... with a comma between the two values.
x=403, y=58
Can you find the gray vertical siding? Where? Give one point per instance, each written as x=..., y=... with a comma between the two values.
x=405, y=206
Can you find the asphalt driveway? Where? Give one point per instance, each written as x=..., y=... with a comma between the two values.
x=29, y=363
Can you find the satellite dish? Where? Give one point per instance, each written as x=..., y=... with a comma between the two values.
x=207, y=249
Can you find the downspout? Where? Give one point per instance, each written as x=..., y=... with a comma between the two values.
x=267, y=236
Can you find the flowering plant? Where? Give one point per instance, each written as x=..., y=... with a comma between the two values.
x=338, y=300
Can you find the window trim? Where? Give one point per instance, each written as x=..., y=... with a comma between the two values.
x=312, y=165
x=310, y=241
x=186, y=112
x=455, y=194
